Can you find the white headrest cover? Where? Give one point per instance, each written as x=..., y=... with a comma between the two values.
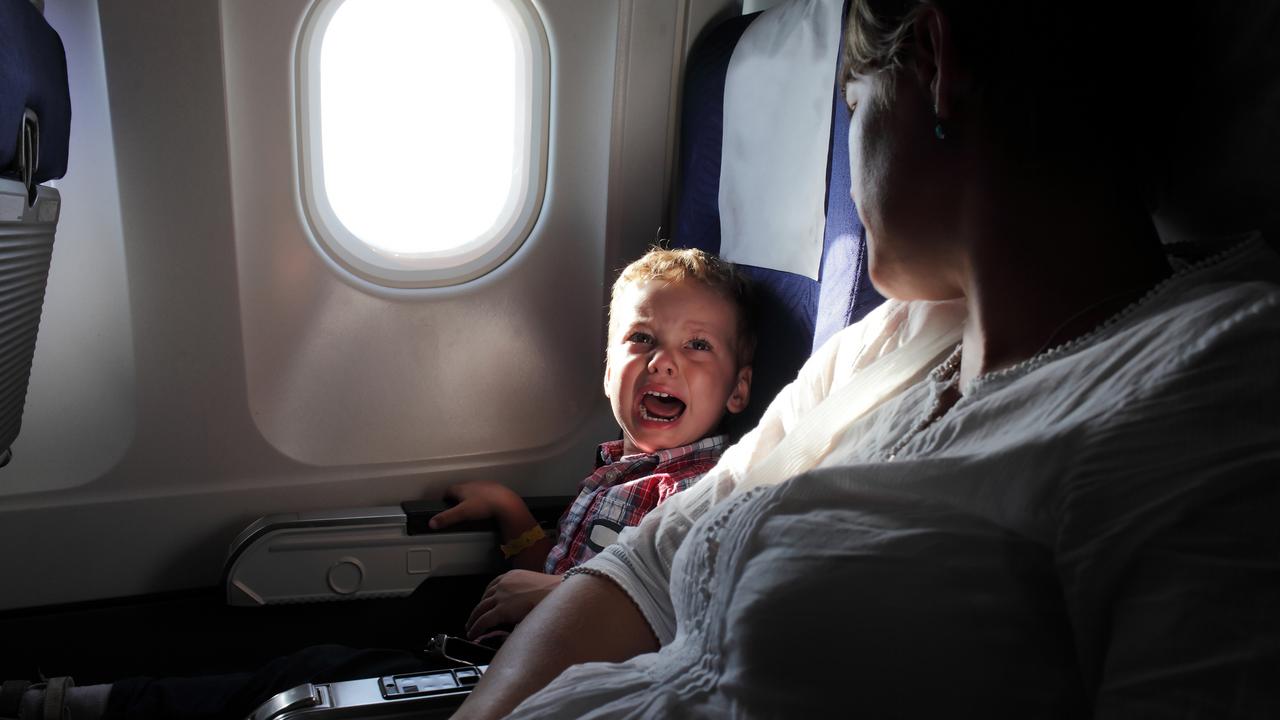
x=777, y=126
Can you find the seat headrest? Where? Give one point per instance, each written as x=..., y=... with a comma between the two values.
x=33, y=82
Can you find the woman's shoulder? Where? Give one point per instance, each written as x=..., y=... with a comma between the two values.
x=1204, y=345
x=1224, y=263
x=1200, y=336
x=1233, y=290
x=890, y=326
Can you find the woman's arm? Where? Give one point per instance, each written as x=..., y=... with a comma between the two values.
x=586, y=619
x=1167, y=547
x=1194, y=629
x=590, y=618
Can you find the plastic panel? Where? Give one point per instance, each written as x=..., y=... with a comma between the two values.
x=346, y=555
x=26, y=247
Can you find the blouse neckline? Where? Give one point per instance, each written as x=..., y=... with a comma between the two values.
x=1092, y=337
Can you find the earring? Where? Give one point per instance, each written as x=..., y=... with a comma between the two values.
x=938, y=132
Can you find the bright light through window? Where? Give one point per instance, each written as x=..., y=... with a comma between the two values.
x=426, y=140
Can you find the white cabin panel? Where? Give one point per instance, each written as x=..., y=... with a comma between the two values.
x=234, y=373
x=493, y=364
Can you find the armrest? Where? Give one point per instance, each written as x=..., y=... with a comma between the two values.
x=346, y=555
x=359, y=553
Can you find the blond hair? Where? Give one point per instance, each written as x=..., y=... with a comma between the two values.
x=875, y=36
x=693, y=265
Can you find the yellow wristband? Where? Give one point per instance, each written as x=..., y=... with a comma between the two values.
x=522, y=543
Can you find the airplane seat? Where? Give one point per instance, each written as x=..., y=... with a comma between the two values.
x=797, y=313
x=35, y=128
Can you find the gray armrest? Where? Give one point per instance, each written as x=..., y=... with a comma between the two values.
x=346, y=555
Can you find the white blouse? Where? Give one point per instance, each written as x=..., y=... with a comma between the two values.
x=1091, y=531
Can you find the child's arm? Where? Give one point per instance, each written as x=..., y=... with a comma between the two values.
x=483, y=500
x=508, y=599
x=587, y=619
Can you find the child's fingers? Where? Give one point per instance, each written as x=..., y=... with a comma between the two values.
x=444, y=518
x=488, y=599
x=493, y=584
x=461, y=512
x=485, y=622
x=493, y=638
x=482, y=608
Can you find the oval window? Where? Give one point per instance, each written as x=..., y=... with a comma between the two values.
x=423, y=134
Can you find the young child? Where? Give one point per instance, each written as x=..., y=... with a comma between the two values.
x=678, y=359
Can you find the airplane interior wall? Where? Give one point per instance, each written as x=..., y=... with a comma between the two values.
x=201, y=364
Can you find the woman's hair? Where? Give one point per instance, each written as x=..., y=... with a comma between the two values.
x=875, y=35
x=1082, y=81
x=693, y=265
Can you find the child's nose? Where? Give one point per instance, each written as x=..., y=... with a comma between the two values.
x=662, y=363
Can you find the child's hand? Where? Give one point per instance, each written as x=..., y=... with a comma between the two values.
x=508, y=599
x=477, y=501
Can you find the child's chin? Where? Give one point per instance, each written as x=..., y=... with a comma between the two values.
x=659, y=436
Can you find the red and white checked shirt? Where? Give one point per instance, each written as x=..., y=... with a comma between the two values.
x=621, y=492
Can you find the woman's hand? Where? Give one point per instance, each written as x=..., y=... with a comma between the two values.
x=478, y=501
x=508, y=599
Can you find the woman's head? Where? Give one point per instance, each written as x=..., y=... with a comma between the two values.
x=1053, y=77
x=1072, y=93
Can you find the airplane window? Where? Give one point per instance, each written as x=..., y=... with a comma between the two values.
x=422, y=129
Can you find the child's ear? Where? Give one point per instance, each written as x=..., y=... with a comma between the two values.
x=608, y=371
x=741, y=393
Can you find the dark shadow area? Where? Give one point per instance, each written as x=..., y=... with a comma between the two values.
x=196, y=633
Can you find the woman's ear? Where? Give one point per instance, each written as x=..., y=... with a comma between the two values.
x=934, y=62
x=741, y=393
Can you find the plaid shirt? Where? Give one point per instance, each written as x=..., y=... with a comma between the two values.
x=621, y=492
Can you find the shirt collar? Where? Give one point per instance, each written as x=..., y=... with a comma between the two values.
x=611, y=452
x=608, y=453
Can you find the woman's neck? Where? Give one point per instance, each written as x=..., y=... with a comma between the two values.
x=1048, y=264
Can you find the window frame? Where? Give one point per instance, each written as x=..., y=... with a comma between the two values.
x=455, y=266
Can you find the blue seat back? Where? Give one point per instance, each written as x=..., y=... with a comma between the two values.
x=33, y=76
x=796, y=314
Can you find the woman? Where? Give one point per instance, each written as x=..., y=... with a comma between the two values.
x=1040, y=481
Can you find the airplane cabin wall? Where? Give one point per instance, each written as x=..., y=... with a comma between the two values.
x=200, y=364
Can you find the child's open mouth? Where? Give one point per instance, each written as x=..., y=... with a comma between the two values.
x=660, y=407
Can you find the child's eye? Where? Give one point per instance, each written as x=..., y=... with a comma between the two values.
x=640, y=337
x=698, y=344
